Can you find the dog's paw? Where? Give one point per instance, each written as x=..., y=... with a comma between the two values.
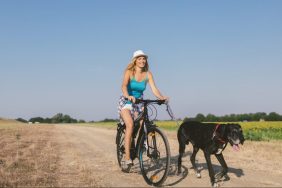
x=198, y=174
x=215, y=185
x=226, y=178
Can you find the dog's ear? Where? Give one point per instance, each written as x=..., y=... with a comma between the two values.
x=241, y=135
x=223, y=130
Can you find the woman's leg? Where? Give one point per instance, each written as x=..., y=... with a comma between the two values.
x=126, y=116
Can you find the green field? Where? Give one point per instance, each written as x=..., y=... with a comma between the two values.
x=258, y=131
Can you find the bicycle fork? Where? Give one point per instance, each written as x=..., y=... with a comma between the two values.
x=149, y=148
x=152, y=151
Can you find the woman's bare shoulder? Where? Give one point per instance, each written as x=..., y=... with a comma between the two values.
x=127, y=72
x=150, y=74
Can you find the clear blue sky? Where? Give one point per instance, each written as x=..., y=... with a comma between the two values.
x=68, y=56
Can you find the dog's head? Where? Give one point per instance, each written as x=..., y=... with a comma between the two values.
x=235, y=135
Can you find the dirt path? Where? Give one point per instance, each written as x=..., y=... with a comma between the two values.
x=88, y=158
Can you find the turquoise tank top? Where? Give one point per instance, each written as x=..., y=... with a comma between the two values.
x=136, y=88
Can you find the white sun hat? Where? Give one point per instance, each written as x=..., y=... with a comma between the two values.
x=139, y=53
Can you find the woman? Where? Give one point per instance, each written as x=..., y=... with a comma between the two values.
x=135, y=79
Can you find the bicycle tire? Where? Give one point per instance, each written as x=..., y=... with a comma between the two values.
x=150, y=158
x=120, y=144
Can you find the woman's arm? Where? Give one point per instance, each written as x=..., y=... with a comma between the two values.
x=126, y=79
x=154, y=88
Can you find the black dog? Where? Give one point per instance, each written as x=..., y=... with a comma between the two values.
x=212, y=138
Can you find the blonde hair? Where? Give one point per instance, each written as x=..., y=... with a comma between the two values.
x=131, y=66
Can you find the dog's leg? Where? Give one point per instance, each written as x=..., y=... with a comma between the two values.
x=224, y=171
x=192, y=159
x=210, y=168
x=181, y=153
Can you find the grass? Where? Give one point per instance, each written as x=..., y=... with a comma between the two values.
x=263, y=134
x=27, y=156
x=10, y=124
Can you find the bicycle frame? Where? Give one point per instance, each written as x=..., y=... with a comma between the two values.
x=146, y=124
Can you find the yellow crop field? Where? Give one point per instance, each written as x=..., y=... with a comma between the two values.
x=261, y=125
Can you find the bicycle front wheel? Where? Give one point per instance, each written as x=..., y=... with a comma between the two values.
x=154, y=157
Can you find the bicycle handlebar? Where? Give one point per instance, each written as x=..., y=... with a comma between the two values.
x=159, y=102
x=147, y=101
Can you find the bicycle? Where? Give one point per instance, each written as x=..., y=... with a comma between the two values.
x=151, y=147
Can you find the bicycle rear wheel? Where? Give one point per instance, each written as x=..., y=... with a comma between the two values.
x=120, y=145
x=154, y=157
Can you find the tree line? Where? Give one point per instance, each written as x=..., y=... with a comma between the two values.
x=58, y=118
x=259, y=116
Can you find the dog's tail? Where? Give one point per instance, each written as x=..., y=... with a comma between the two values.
x=182, y=138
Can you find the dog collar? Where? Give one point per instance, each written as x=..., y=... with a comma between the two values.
x=215, y=135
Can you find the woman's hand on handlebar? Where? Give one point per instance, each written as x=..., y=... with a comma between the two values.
x=131, y=99
x=165, y=98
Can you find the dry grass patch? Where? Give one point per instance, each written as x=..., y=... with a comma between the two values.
x=28, y=155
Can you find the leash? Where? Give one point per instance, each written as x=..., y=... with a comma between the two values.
x=170, y=113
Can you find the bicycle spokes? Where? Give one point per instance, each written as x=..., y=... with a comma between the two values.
x=154, y=159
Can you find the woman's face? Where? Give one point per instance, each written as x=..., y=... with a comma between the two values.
x=141, y=61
